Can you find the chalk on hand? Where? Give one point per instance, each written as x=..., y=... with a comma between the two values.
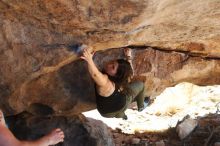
x=78, y=49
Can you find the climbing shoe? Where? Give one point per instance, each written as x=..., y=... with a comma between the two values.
x=146, y=102
x=125, y=117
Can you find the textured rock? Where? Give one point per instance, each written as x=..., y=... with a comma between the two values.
x=160, y=143
x=100, y=132
x=69, y=89
x=160, y=69
x=36, y=38
x=135, y=141
x=186, y=127
x=40, y=72
x=65, y=90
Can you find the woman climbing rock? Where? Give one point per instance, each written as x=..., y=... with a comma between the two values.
x=114, y=90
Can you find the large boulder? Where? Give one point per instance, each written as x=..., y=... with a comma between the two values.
x=172, y=42
x=78, y=130
x=38, y=65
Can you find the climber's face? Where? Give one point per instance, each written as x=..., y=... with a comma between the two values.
x=111, y=67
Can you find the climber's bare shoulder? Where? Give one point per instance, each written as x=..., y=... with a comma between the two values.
x=107, y=89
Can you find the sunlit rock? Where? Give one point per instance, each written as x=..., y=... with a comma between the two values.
x=186, y=127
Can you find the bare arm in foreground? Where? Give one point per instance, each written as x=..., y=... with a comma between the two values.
x=8, y=139
x=104, y=85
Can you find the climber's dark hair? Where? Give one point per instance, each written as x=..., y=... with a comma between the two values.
x=124, y=72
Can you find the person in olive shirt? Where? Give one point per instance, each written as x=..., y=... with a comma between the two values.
x=114, y=91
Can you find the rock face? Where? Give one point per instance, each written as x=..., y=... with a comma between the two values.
x=186, y=127
x=173, y=41
x=160, y=69
x=38, y=66
x=36, y=37
x=65, y=90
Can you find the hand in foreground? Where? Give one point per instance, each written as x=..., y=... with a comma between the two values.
x=87, y=54
x=54, y=137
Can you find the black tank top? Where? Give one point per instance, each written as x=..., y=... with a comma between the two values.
x=115, y=102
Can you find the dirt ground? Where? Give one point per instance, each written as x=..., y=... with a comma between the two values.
x=207, y=133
